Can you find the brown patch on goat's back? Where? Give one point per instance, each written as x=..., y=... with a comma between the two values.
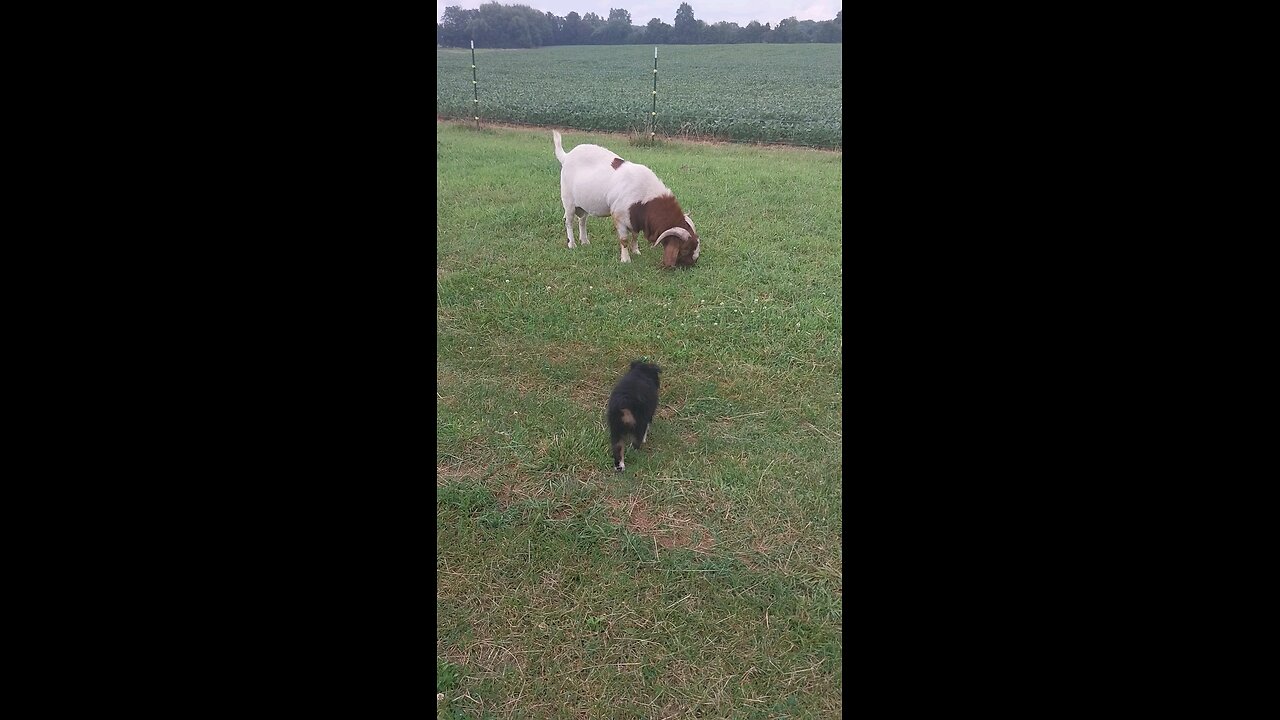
x=617, y=163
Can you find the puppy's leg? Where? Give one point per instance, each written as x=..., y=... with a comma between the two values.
x=642, y=434
x=618, y=464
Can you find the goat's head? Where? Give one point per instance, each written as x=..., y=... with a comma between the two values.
x=679, y=246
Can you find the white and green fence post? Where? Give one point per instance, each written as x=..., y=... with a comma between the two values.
x=653, y=115
x=475, y=86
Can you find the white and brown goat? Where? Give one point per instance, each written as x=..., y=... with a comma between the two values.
x=596, y=182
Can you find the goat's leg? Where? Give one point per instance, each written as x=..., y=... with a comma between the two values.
x=622, y=239
x=568, y=229
x=632, y=235
x=582, y=228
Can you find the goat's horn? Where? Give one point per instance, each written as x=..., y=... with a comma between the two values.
x=690, y=221
x=673, y=231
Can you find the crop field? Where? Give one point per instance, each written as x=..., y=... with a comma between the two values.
x=752, y=92
x=706, y=580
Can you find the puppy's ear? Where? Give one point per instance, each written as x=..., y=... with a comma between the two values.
x=657, y=368
x=635, y=364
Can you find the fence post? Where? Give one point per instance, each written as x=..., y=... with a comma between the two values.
x=653, y=116
x=475, y=87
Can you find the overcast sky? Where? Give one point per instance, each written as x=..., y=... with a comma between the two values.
x=709, y=11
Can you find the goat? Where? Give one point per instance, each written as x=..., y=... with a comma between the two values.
x=596, y=182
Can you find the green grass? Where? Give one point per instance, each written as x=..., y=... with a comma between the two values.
x=706, y=580
x=767, y=93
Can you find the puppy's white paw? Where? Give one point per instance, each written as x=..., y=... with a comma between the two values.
x=620, y=467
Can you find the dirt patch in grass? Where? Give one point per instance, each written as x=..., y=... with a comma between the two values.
x=508, y=493
x=669, y=410
x=590, y=394
x=449, y=472
x=669, y=529
x=561, y=353
x=590, y=386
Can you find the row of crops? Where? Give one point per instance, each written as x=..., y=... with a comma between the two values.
x=752, y=93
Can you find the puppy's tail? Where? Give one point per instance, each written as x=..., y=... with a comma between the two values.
x=559, y=148
x=628, y=419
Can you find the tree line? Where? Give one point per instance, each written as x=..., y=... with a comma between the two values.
x=495, y=25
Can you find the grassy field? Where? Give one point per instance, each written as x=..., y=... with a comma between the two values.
x=705, y=581
x=767, y=93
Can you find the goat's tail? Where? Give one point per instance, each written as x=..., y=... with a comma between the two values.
x=559, y=147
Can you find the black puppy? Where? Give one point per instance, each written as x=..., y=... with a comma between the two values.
x=632, y=404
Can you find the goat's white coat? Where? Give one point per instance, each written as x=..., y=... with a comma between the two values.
x=589, y=181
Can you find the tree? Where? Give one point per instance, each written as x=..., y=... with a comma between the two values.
x=455, y=26
x=724, y=33
x=827, y=32
x=517, y=32
x=618, y=28
x=572, y=32
x=786, y=32
x=807, y=30
x=480, y=31
x=657, y=32
x=591, y=22
x=686, y=28
x=496, y=25
x=556, y=23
